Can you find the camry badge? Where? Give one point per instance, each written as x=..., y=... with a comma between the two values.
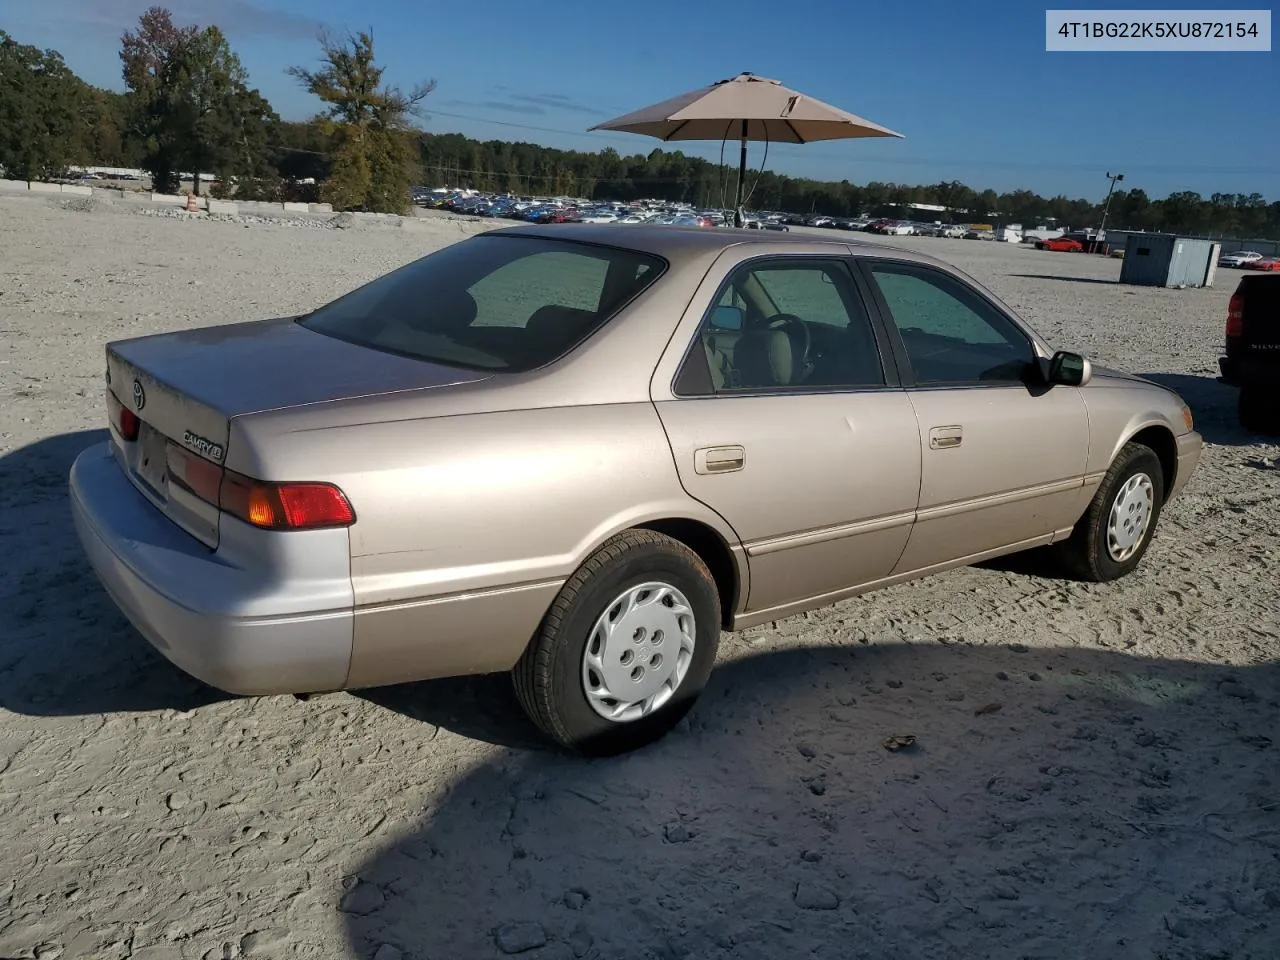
x=204, y=447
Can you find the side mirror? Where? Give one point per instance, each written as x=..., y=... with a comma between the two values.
x=726, y=318
x=1069, y=369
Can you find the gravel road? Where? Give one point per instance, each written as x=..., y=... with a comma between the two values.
x=1094, y=772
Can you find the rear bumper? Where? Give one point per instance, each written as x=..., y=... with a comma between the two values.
x=1249, y=371
x=266, y=613
x=1190, y=446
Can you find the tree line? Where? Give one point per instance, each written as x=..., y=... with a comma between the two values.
x=188, y=107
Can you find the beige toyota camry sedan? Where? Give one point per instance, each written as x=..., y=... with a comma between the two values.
x=579, y=452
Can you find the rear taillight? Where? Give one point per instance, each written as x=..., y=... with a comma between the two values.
x=129, y=424
x=122, y=418
x=1235, y=316
x=270, y=506
x=284, y=506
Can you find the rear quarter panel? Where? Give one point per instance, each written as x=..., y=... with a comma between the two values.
x=468, y=525
x=493, y=499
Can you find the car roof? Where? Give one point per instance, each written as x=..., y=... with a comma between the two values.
x=674, y=242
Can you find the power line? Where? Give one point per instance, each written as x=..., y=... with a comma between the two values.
x=901, y=161
x=597, y=134
x=799, y=153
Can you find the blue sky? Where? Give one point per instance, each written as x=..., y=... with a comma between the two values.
x=970, y=85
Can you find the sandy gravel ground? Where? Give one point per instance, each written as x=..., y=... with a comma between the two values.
x=1095, y=774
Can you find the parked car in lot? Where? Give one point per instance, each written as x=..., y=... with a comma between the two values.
x=1061, y=244
x=1239, y=259
x=1265, y=264
x=580, y=452
x=893, y=228
x=1251, y=355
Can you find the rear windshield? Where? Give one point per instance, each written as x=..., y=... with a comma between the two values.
x=491, y=302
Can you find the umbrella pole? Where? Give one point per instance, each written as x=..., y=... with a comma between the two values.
x=738, y=219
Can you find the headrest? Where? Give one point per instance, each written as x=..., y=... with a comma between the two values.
x=562, y=323
x=765, y=358
x=453, y=311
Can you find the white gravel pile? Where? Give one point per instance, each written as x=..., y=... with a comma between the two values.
x=243, y=219
x=1094, y=772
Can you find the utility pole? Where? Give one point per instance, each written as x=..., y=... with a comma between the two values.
x=1114, y=178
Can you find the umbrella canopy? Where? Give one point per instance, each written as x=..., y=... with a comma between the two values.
x=745, y=107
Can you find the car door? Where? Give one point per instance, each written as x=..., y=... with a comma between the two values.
x=1003, y=455
x=809, y=453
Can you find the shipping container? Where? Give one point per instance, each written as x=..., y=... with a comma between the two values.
x=1167, y=260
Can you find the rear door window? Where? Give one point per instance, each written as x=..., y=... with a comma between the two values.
x=790, y=324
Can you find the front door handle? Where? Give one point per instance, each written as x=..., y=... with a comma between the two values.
x=719, y=459
x=944, y=438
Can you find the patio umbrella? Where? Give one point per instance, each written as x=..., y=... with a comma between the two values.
x=750, y=108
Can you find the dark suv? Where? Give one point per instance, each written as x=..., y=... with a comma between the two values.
x=1252, y=361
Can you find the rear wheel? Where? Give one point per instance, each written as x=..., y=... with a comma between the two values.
x=1111, y=538
x=626, y=648
x=1259, y=410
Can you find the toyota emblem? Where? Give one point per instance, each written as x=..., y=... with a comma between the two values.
x=139, y=395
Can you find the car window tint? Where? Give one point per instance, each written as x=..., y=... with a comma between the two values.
x=491, y=302
x=511, y=294
x=951, y=334
x=731, y=297
x=805, y=292
x=805, y=328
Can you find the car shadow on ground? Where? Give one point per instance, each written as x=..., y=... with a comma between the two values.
x=1043, y=563
x=479, y=708
x=1049, y=276
x=1057, y=802
x=1213, y=404
x=64, y=647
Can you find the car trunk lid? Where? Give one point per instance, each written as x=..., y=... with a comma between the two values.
x=184, y=388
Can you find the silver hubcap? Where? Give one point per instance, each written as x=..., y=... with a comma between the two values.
x=638, y=652
x=1130, y=517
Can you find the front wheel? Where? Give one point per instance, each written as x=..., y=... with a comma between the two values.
x=626, y=647
x=1111, y=538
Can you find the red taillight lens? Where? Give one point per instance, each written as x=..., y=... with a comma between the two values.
x=1235, y=316
x=285, y=506
x=122, y=418
x=307, y=505
x=271, y=506
x=129, y=424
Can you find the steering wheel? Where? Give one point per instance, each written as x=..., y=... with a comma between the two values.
x=798, y=332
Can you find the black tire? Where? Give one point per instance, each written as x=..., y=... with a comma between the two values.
x=549, y=676
x=1085, y=554
x=1258, y=410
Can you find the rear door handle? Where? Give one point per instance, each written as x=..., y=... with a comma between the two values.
x=943, y=438
x=719, y=459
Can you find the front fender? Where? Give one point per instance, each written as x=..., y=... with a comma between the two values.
x=1119, y=409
